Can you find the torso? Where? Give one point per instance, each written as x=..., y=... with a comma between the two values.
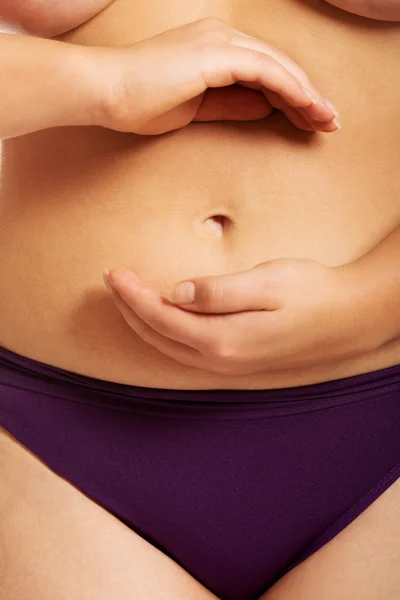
x=76, y=200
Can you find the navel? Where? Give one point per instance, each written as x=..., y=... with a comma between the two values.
x=218, y=224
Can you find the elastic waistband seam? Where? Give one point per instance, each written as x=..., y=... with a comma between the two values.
x=74, y=380
x=241, y=411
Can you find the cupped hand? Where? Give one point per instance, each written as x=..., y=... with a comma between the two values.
x=204, y=71
x=280, y=314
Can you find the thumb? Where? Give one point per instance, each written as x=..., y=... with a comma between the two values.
x=234, y=292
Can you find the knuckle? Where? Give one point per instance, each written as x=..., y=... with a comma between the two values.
x=207, y=45
x=205, y=50
x=211, y=294
x=283, y=77
x=211, y=30
x=261, y=60
x=222, y=350
x=285, y=268
x=263, y=63
x=226, y=351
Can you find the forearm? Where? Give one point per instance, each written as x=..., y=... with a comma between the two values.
x=384, y=10
x=45, y=83
x=376, y=287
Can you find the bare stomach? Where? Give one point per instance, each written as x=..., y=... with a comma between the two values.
x=209, y=199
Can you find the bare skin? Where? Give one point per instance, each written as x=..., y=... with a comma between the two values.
x=65, y=528
x=361, y=562
x=105, y=180
x=387, y=10
x=50, y=529
x=56, y=544
x=51, y=17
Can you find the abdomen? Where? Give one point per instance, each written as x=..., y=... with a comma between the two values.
x=77, y=200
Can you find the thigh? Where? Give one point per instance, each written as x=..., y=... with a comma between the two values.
x=57, y=544
x=362, y=562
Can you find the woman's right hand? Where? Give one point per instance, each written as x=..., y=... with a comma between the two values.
x=187, y=74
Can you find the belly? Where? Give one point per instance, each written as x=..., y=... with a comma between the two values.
x=209, y=199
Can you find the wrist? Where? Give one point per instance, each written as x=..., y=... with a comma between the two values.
x=93, y=78
x=49, y=84
x=110, y=90
x=369, y=303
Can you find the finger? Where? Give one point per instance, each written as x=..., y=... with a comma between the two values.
x=231, y=293
x=279, y=103
x=304, y=122
x=157, y=312
x=318, y=110
x=233, y=104
x=166, y=346
x=247, y=326
x=208, y=361
x=298, y=116
x=283, y=58
x=294, y=115
x=228, y=64
x=297, y=119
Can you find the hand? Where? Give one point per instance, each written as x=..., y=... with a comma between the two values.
x=187, y=74
x=281, y=314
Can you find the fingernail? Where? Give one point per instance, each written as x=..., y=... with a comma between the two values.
x=185, y=293
x=331, y=107
x=338, y=125
x=310, y=95
x=108, y=285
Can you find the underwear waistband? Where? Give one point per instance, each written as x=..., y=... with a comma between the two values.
x=22, y=372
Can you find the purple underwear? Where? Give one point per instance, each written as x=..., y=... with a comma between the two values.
x=238, y=487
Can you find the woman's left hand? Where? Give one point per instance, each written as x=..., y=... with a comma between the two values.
x=280, y=314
